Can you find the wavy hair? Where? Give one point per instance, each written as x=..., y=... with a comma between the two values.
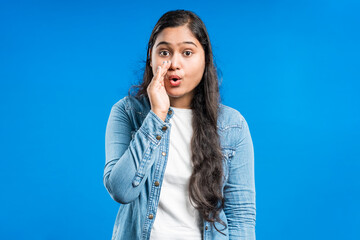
x=205, y=186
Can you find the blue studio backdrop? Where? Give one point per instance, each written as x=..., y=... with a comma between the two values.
x=290, y=67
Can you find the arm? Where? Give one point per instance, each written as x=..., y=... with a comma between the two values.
x=239, y=191
x=129, y=159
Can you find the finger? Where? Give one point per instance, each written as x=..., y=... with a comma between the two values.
x=164, y=68
x=157, y=74
x=166, y=65
x=161, y=70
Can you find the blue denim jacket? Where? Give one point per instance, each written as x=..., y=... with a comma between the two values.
x=135, y=166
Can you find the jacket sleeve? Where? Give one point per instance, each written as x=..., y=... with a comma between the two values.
x=239, y=191
x=129, y=154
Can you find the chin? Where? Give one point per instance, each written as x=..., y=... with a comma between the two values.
x=174, y=95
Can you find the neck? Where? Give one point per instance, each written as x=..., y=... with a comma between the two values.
x=181, y=102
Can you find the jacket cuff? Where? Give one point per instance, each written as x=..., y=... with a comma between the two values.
x=153, y=127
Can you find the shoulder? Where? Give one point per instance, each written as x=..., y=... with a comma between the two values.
x=229, y=118
x=132, y=103
x=232, y=126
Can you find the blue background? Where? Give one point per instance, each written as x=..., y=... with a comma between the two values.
x=290, y=67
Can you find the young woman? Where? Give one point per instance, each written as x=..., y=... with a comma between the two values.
x=180, y=163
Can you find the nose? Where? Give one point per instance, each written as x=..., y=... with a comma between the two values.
x=175, y=62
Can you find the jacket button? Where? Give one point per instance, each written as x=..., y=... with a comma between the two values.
x=158, y=137
x=169, y=112
x=206, y=228
x=163, y=153
x=151, y=216
x=164, y=128
x=157, y=183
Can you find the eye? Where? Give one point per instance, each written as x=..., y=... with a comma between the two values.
x=164, y=53
x=188, y=53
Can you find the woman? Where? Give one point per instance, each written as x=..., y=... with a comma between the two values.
x=180, y=163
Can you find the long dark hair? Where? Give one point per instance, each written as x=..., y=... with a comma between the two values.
x=205, y=187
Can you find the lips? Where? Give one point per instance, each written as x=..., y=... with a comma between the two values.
x=174, y=77
x=174, y=80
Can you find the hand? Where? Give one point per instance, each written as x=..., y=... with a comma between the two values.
x=156, y=91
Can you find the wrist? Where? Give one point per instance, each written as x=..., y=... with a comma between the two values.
x=160, y=113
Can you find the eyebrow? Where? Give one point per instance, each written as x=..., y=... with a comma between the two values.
x=167, y=43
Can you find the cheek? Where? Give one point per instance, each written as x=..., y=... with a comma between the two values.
x=194, y=76
x=197, y=69
x=155, y=62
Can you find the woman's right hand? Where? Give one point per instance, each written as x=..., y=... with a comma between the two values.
x=159, y=99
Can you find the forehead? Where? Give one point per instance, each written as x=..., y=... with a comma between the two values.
x=176, y=35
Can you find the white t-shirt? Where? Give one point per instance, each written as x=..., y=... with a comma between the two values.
x=176, y=218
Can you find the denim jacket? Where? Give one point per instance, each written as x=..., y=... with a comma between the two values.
x=136, y=144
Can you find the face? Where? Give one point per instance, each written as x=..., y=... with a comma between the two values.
x=187, y=58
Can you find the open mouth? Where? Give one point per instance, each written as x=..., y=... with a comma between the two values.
x=174, y=80
x=174, y=77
